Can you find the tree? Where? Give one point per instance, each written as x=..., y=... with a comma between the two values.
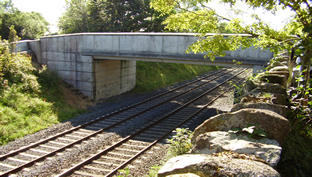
x=198, y=17
x=76, y=17
x=29, y=25
x=110, y=16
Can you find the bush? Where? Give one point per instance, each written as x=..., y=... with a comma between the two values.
x=30, y=100
x=181, y=142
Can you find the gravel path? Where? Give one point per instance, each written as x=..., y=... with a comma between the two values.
x=140, y=166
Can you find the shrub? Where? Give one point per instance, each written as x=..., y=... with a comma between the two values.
x=181, y=142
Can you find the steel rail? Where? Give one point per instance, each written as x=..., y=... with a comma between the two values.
x=94, y=133
x=15, y=152
x=88, y=160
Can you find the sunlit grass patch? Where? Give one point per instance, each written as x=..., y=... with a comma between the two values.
x=152, y=75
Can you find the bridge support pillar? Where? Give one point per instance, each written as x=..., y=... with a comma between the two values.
x=113, y=77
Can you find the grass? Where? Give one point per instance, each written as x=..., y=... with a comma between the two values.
x=25, y=113
x=30, y=99
x=151, y=75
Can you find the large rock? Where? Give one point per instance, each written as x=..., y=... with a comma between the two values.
x=209, y=165
x=218, y=141
x=275, y=125
x=279, y=109
x=284, y=73
x=279, y=99
x=279, y=68
x=269, y=88
x=249, y=85
x=275, y=63
x=274, y=78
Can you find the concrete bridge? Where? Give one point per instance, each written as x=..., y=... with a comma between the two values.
x=104, y=64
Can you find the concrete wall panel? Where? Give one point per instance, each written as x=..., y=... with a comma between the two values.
x=87, y=67
x=85, y=86
x=71, y=57
x=67, y=75
x=143, y=44
x=56, y=56
x=21, y=46
x=35, y=46
x=107, y=65
x=87, y=42
x=177, y=44
x=70, y=44
x=80, y=44
x=61, y=66
x=108, y=74
x=105, y=43
x=84, y=76
x=81, y=58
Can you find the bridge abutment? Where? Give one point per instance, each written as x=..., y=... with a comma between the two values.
x=113, y=77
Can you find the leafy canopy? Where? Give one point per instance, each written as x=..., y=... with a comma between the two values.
x=110, y=16
x=198, y=17
x=29, y=25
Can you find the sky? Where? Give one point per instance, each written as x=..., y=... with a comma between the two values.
x=51, y=10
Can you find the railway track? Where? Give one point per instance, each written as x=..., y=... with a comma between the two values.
x=147, y=133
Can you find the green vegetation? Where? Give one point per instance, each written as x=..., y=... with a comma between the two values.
x=110, y=16
x=180, y=143
x=125, y=172
x=31, y=99
x=29, y=25
x=153, y=172
x=151, y=76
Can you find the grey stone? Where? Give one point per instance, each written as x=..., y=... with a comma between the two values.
x=284, y=73
x=279, y=109
x=279, y=68
x=279, y=99
x=218, y=141
x=209, y=165
x=269, y=88
x=249, y=85
x=274, y=78
x=276, y=126
x=275, y=64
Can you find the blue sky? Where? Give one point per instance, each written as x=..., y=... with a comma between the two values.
x=51, y=10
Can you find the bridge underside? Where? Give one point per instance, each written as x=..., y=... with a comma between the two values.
x=102, y=65
x=185, y=59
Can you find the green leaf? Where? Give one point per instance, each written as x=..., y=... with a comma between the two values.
x=307, y=29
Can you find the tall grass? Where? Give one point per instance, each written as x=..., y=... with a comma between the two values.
x=151, y=75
